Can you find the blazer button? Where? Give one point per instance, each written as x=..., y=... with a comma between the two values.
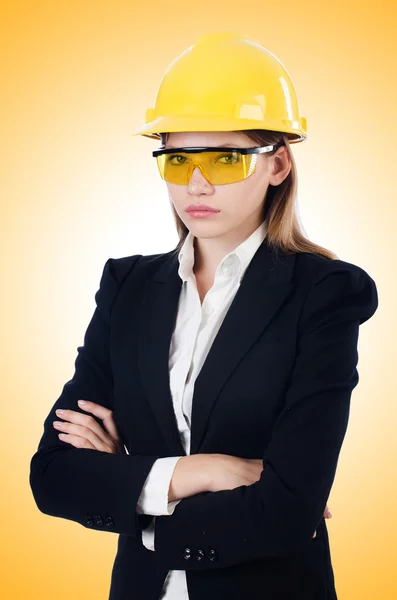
x=212, y=555
x=200, y=555
x=89, y=520
x=98, y=520
x=187, y=553
x=109, y=522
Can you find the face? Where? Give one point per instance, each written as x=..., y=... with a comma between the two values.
x=240, y=204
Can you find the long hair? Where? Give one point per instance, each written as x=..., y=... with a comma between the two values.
x=284, y=232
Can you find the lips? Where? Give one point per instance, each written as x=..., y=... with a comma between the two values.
x=201, y=207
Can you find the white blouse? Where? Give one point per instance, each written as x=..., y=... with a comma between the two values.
x=195, y=329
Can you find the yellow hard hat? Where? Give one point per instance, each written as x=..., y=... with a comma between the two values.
x=225, y=82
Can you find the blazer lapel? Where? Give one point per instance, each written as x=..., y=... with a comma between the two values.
x=159, y=312
x=264, y=288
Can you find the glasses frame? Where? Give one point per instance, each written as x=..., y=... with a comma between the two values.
x=190, y=150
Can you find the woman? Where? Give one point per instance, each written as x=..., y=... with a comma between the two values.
x=217, y=376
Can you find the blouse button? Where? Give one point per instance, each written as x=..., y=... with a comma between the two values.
x=229, y=260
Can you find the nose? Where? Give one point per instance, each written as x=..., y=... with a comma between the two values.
x=197, y=177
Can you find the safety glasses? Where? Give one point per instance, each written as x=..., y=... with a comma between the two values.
x=218, y=165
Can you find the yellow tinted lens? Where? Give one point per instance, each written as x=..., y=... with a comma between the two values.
x=217, y=167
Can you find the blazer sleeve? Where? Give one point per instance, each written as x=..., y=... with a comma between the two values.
x=277, y=515
x=96, y=489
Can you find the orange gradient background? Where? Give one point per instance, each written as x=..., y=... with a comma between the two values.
x=77, y=188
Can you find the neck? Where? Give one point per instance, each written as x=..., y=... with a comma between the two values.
x=209, y=252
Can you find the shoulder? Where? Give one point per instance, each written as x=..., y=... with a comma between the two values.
x=120, y=268
x=315, y=266
x=337, y=285
x=314, y=269
x=116, y=271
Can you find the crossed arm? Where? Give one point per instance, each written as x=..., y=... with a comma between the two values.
x=276, y=515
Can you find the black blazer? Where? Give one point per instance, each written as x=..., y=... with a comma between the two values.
x=276, y=384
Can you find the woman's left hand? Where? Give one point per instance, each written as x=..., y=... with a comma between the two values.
x=83, y=431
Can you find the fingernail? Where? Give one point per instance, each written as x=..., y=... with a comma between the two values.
x=82, y=402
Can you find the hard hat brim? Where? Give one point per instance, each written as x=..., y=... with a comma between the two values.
x=296, y=131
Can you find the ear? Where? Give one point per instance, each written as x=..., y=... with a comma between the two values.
x=280, y=166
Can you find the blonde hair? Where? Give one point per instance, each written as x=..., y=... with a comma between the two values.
x=284, y=232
